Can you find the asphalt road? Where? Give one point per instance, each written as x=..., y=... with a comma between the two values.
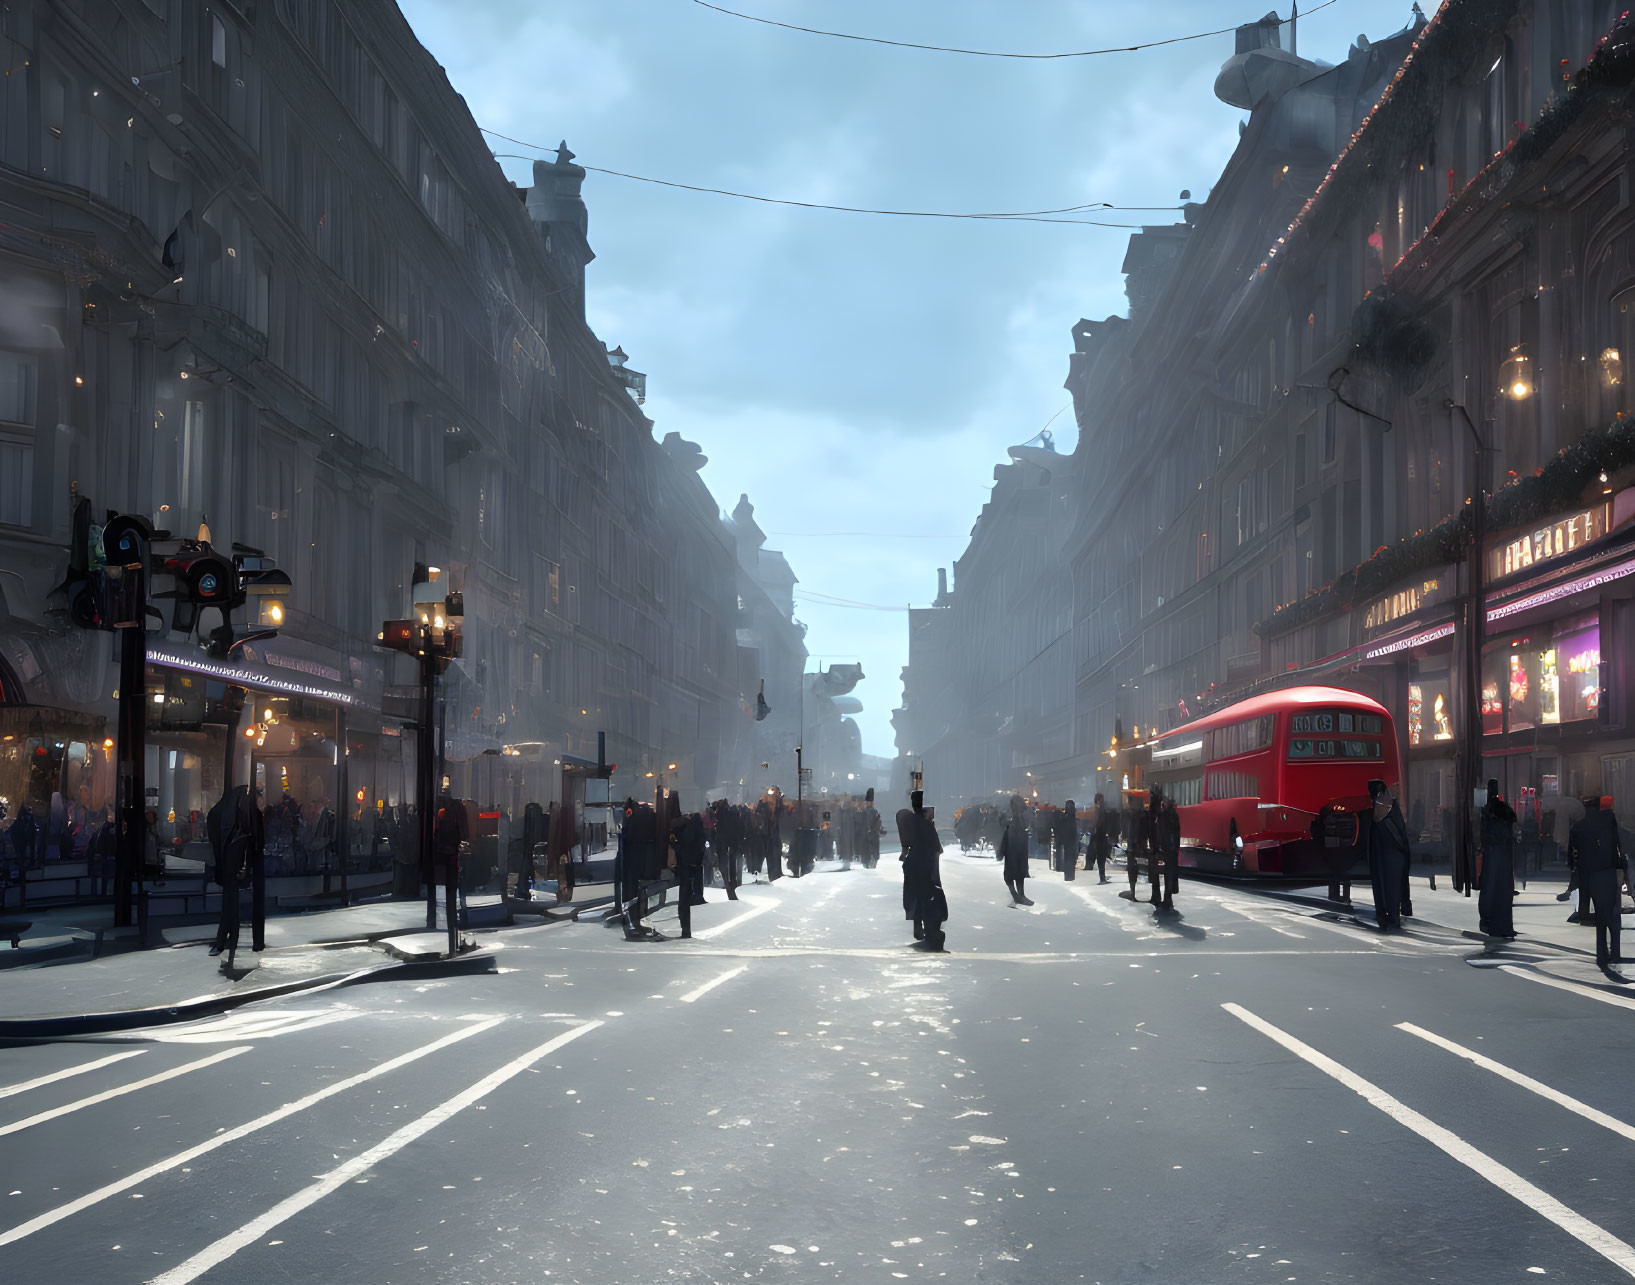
x=1077, y=1091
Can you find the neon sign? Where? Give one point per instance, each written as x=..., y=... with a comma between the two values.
x=1549, y=542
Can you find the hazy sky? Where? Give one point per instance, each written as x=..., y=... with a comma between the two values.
x=860, y=376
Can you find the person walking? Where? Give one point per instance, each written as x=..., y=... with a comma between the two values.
x=1101, y=837
x=1013, y=851
x=1387, y=857
x=1168, y=828
x=924, y=902
x=1135, y=844
x=1067, y=840
x=870, y=822
x=1154, y=853
x=237, y=843
x=1498, y=865
x=1603, y=868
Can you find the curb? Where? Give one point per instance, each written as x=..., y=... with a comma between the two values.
x=68, y=1026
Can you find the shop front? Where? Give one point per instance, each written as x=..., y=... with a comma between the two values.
x=1556, y=716
x=57, y=764
x=296, y=734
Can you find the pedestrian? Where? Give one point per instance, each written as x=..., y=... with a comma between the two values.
x=924, y=902
x=1013, y=852
x=1135, y=843
x=871, y=827
x=1067, y=840
x=688, y=829
x=1568, y=813
x=1388, y=852
x=1603, y=868
x=1496, y=877
x=1168, y=829
x=1101, y=837
x=638, y=863
x=237, y=836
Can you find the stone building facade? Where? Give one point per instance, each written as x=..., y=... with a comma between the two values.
x=259, y=269
x=1275, y=464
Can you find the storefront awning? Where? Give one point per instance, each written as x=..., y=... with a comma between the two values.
x=252, y=676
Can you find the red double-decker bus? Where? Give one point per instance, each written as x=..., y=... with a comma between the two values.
x=1259, y=784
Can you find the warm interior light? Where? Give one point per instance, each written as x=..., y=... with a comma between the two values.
x=107, y=742
x=1612, y=367
x=275, y=613
x=249, y=733
x=1516, y=376
x=266, y=715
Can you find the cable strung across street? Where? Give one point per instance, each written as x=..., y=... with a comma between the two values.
x=983, y=53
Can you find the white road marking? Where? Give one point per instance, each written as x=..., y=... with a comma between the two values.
x=42, y=1221
x=1481, y=1164
x=1588, y=992
x=1525, y=1081
x=72, y=1071
x=70, y=1107
x=252, y=1026
x=707, y=987
x=220, y=1251
x=1255, y=918
x=738, y=919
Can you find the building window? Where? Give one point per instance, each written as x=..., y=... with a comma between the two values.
x=18, y=375
x=218, y=42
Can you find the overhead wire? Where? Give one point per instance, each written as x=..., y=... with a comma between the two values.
x=984, y=53
x=1021, y=216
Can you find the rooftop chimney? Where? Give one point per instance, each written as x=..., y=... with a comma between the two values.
x=555, y=206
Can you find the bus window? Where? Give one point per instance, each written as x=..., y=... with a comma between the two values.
x=1234, y=785
x=1312, y=749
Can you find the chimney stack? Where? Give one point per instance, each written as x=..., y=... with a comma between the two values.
x=557, y=209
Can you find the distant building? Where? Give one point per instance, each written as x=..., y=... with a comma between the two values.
x=988, y=692
x=771, y=658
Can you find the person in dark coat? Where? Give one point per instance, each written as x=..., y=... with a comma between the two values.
x=1013, y=851
x=1498, y=865
x=1387, y=857
x=1603, y=868
x=1152, y=838
x=869, y=820
x=924, y=902
x=1101, y=837
x=1167, y=826
x=1135, y=844
x=238, y=841
x=638, y=863
x=1067, y=839
x=689, y=845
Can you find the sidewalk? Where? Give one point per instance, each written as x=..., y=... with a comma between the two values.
x=1545, y=941
x=78, y=973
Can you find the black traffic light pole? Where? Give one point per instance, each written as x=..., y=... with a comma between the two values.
x=426, y=764
x=133, y=726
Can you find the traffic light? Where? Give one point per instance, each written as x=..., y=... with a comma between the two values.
x=399, y=635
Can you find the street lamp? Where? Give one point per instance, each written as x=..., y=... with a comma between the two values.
x=431, y=635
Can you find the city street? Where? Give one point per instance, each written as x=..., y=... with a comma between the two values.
x=1076, y=1091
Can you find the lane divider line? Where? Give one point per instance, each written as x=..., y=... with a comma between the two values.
x=1525, y=1081
x=695, y=995
x=1484, y=1166
x=50, y=1216
x=26, y=1085
x=1588, y=992
x=738, y=919
x=213, y=1255
x=69, y=1107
